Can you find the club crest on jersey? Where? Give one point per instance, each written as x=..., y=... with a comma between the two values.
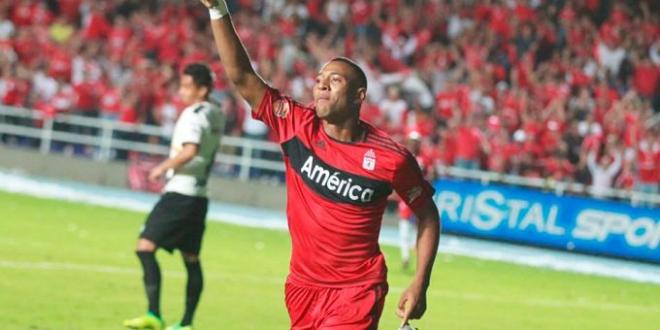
x=369, y=160
x=281, y=109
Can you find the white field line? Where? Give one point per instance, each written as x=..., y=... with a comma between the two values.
x=279, y=281
x=526, y=256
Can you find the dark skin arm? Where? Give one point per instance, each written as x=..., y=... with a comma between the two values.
x=412, y=304
x=235, y=59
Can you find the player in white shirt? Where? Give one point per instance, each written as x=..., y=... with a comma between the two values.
x=178, y=219
x=200, y=124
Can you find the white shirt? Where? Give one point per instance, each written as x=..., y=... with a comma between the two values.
x=6, y=29
x=394, y=110
x=202, y=124
x=611, y=58
x=602, y=177
x=252, y=126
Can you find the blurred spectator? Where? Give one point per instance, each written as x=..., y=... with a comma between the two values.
x=524, y=87
x=603, y=171
x=648, y=160
x=6, y=26
x=470, y=144
x=393, y=108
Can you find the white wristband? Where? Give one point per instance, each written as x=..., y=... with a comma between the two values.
x=219, y=11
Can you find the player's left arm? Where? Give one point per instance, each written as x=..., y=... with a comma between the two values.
x=412, y=304
x=187, y=153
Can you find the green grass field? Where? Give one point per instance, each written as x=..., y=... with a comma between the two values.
x=71, y=266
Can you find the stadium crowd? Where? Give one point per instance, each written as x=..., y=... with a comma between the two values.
x=565, y=90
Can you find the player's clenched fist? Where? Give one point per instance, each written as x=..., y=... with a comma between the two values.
x=217, y=8
x=209, y=3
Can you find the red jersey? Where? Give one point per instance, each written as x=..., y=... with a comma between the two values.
x=336, y=195
x=648, y=159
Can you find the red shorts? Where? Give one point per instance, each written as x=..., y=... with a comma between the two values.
x=354, y=308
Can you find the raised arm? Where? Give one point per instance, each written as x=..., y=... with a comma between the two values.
x=233, y=55
x=591, y=161
x=615, y=167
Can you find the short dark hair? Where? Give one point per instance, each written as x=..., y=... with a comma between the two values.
x=359, y=73
x=201, y=75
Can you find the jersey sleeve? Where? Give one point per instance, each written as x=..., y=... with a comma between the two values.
x=281, y=114
x=192, y=125
x=410, y=184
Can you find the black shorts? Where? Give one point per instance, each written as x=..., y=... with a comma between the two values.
x=177, y=222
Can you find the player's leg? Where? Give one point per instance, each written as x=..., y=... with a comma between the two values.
x=302, y=304
x=190, y=245
x=357, y=308
x=194, y=286
x=151, y=276
x=151, y=279
x=404, y=242
x=157, y=233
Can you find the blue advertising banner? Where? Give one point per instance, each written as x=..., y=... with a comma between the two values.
x=539, y=218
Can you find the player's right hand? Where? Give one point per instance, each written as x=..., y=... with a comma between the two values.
x=156, y=173
x=412, y=304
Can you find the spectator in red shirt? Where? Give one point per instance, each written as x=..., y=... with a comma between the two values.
x=557, y=166
x=626, y=179
x=469, y=144
x=85, y=100
x=14, y=87
x=41, y=15
x=648, y=162
x=95, y=25
x=500, y=150
x=22, y=13
x=446, y=100
x=119, y=35
x=110, y=102
x=646, y=77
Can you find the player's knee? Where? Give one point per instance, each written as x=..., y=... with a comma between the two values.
x=145, y=245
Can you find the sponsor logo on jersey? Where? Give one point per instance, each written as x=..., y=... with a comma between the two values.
x=333, y=183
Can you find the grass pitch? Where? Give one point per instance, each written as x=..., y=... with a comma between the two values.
x=71, y=266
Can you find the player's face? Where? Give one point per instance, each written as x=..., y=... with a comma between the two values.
x=189, y=92
x=334, y=93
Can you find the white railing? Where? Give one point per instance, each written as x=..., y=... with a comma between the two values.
x=105, y=140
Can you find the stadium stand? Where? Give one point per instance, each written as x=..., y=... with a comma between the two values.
x=566, y=90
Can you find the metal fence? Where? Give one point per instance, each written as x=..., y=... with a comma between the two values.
x=106, y=138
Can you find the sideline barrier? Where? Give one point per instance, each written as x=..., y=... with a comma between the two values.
x=519, y=215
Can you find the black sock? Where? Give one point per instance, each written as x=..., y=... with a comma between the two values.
x=151, y=279
x=193, y=290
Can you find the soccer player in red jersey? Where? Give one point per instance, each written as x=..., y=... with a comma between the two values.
x=339, y=172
